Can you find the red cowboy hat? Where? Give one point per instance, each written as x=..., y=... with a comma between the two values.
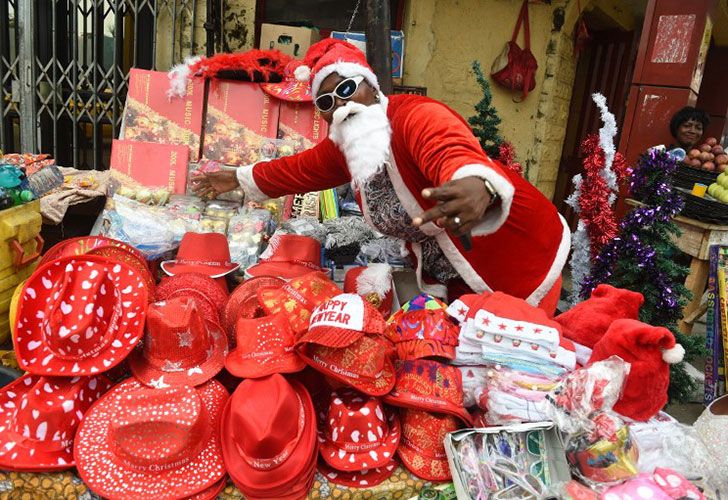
x=422, y=449
x=290, y=89
x=374, y=284
x=243, y=302
x=423, y=329
x=269, y=437
x=139, y=442
x=298, y=298
x=365, y=365
x=205, y=253
x=104, y=247
x=208, y=294
x=265, y=346
x=357, y=479
x=356, y=434
x=38, y=420
x=179, y=348
x=79, y=316
x=288, y=256
x=341, y=320
x=429, y=385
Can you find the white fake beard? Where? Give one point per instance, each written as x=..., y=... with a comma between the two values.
x=363, y=135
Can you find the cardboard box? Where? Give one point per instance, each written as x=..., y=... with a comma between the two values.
x=150, y=164
x=240, y=123
x=558, y=467
x=290, y=40
x=151, y=116
x=360, y=40
x=301, y=123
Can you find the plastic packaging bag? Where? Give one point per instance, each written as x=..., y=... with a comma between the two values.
x=246, y=234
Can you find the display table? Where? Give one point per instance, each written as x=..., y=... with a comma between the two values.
x=696, y=239
x=63, y=485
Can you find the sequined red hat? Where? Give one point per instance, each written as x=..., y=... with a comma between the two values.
x=139, y=442
x=79, y=316
x=179, y=347
x=265, y=346
x=422, y=328
x=39, y=417
x=429, y=385
x=298, y=298
x=357, y=432
x=207, y=293
x=422, y=449
x=243, y=301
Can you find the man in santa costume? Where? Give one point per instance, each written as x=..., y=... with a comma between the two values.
x=420, y=175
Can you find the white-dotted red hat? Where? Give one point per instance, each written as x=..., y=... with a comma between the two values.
x=180, y=347
x=360, y=478
x=144, y=443
x=358, y=433
x=79, y=316
x=38, y=420
x=341, y=320
x=332, y=55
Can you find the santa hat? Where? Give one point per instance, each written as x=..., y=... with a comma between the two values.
x=334, y=56
x=373, y=284
x=588, y=321
x=648, y=349
x=265, y=66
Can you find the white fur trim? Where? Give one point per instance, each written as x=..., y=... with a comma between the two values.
x=495, y=216
x=674, y=355
x=179, y=75
x=302, y=73
x=409, y=202
x=461, y=264
x=562, y=254
x=436, y=290
x=247, y=182
x=376, y=278
x=345, y=69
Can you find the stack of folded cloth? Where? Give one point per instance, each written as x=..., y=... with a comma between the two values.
x=521, y=350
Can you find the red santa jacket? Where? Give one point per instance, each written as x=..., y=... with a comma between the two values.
x=520, y=246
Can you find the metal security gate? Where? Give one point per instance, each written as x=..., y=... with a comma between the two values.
x=64, y=69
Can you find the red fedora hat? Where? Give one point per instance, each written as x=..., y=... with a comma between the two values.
x=265, y=346
x=298, y=298
x=429, y=385
x=269, y=437
x=180, y=347
x=205, y=253
x=79, y=316
x=422, y=449
x=365, y=365
x=39, y=417
x=104, y=247
x=288, y=256
x=357, y=433
x=341, y=320
x=243, y=301
x=208, y=294
x=139, y=442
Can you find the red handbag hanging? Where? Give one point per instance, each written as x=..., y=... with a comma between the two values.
x=515, y=68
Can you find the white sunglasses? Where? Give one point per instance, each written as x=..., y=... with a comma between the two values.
x=344, y=90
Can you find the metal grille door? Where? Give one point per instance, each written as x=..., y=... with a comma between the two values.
x=74, y=61
x=9, y=83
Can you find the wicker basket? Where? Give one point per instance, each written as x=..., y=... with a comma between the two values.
x=706, y=209
x=686, y=176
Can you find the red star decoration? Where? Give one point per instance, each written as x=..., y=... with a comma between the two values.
x=486, y=321
x=537, y=330
x=462, y=311
x=519, y=328
x=502, y=326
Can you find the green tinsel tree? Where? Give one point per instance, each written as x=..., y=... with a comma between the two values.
x=485, y=123
x=641, y=259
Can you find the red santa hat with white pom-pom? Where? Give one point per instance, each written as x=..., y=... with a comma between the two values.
x=374, y=284
x=334, y=56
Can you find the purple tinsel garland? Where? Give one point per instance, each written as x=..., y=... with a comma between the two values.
x=662, y=203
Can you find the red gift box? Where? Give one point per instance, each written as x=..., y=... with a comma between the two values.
x=151, y=116
x=150, y=164
x=241, y=119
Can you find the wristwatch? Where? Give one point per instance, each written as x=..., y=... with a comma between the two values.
x=491, y=191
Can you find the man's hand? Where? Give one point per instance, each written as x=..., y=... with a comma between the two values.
x=461, y=204
x=211, y=184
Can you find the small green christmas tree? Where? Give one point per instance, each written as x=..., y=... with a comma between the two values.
x=485, y=122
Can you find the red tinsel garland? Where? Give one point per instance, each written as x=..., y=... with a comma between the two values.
x=507, y=156
x=595, y=210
